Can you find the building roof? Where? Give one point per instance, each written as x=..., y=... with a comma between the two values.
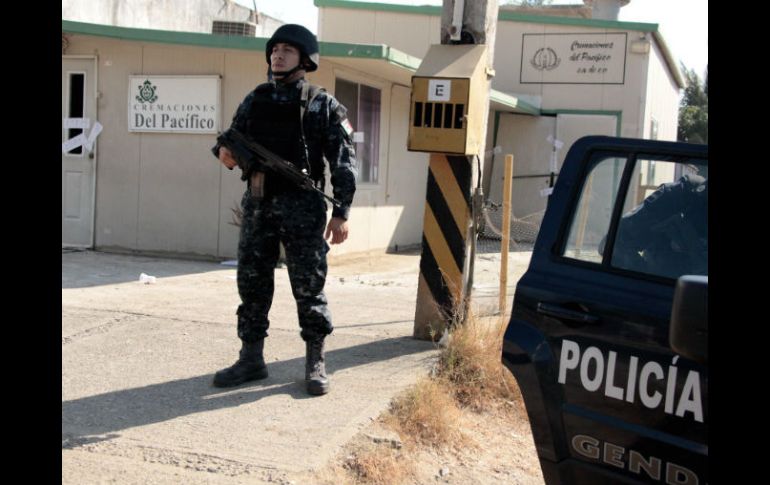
x=378, y=59
x=517, y=16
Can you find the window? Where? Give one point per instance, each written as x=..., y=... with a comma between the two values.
x=591, y=220
x=363, y=104
x=664, y=227
x=76, y=107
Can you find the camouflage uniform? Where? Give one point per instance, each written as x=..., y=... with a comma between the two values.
x=290, y=215
x=667, y=234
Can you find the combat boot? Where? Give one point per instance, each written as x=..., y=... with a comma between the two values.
x=315, y=368
x=249, y=367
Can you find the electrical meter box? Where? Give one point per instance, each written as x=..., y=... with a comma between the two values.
x=447, y=110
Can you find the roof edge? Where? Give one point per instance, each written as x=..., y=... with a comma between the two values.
x=164, y=36
x=381, y=7
x=327, y=49
x=513, y=101
x=370, y=51
x=502, y=15
x=670, y=59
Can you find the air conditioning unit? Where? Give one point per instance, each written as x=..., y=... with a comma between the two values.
x=243, y=29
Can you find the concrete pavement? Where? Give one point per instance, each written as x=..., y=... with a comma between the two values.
x=138, y=359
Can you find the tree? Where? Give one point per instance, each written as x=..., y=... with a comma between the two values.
x=694, y=109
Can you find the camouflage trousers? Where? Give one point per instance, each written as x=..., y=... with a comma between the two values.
x=297, y=219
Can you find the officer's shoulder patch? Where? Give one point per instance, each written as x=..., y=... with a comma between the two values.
x=347, y=126
x=316, y=97
x=315, y=105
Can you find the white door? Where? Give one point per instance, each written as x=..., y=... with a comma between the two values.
x=526, y=138
x=571, y=127
x=78, y=97
x=537, y=157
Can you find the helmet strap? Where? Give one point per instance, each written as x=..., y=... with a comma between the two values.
x=284, y=75
x=303, y=60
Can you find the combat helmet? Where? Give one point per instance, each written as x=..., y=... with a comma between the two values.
x=301, y=38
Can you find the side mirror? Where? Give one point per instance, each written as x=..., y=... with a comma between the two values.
x=688, y=333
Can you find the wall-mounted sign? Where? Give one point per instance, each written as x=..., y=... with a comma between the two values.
x=573, y=58
x=174, y=104
x=439, y=89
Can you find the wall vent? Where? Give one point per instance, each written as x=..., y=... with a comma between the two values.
x=243, y=29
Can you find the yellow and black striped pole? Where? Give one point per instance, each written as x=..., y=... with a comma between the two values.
x=445, y=243
x=455, y=75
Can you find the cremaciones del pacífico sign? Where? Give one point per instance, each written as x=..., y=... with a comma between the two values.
x=174, y=104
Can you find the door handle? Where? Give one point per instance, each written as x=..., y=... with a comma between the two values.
x=562, y=313
x=91, y=155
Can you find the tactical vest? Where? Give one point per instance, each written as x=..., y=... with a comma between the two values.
x=275, y=120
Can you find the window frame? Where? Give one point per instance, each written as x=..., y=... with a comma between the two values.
x=68, y=101
x=384, y=88
x=563, y=235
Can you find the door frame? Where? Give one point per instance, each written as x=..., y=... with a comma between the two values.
x=95, y=98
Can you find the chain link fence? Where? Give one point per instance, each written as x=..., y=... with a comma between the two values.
x=522, y=234
x=487, y=265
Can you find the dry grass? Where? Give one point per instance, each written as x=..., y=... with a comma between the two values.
x=427, y=415
x=381, y=465
x=431, y=414
x=471, y=365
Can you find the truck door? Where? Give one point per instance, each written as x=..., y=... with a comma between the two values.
x=608, y=400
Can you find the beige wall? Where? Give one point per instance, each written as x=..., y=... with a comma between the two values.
x=413, y=34
x=569, y=110
x=627, y=98
x=662, y=101
x=573, y=110
x=164, y=192
x=407, y=177
x=389, y=212
x=409, y=33
x=161, y=192
x=118, y=155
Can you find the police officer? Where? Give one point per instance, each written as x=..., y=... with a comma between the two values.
x=667, y=234
x=302, y=124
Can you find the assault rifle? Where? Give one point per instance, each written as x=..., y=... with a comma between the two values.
x=248, y=152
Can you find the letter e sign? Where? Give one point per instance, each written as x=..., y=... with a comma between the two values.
x=439, y=89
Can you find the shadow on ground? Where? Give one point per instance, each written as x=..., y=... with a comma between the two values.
x=106, y=414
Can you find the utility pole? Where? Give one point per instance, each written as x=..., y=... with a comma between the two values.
x=446, y=264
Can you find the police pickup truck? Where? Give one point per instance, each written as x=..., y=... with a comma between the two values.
x=608, y=336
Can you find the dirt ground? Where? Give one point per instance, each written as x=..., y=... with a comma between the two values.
x=499, y=449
